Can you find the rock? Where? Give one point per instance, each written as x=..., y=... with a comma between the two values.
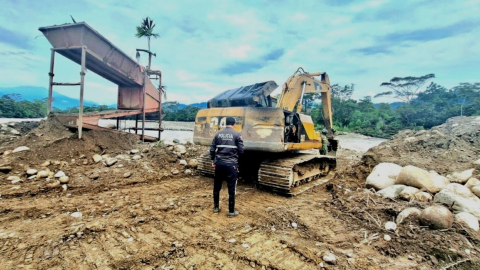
x=105, y=157
x=64, y=186
x=391, y=191
x=20, y=149
x=97, y=158
x=329, y=258
x=134, y=151
x=12, y=178
x=46, y=163
x=93, y=175
x=54, y=184
x=460, y=177
x=245, y=245
x=176, y=140
x=174, y=171
x=43, y=174
x=183, y=162
x=460, y=199
x=127, y=174
x=111, y=126
x=410, y=214
x=136, y=157
x=472, y=182
x=467, y=219
x=387, y=237
x=14, y=131
x=63, y=179
x=16, y=181
x=31, y=171
x=85, y=162
x=76, y=214
x=294, y=225
x=59, y=174
x=6, y=169
x=408, y=193
x=436, y=217
x=390, y=226
x=476, y=164
x=111, y=161
x=123, y=157
x=193, y=163
x=423, y=197
x=145, y=150
x=383, y=176
x=439, y=181
x=180, y=149
x=32, y=177
x=188, y=171
x=416, y=177
x=476, y=190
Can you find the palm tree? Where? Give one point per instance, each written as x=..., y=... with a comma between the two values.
x=146, y=30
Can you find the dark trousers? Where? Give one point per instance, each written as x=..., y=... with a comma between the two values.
x=225, y=172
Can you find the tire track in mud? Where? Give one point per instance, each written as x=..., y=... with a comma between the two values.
x=168, y=222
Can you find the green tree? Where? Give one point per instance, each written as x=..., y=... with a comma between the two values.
x=405, y=88
x=146, y=30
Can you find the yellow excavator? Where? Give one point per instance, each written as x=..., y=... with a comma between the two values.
x=281, y=144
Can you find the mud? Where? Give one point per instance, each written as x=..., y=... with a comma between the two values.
x=155, y=219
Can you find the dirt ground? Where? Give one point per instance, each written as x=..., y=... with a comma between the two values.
x=157, y=219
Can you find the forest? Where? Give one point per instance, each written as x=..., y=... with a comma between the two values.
x=418, y=107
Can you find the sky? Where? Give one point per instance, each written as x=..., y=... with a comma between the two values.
x=206, y=47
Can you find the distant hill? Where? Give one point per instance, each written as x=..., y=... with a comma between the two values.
x=31, y=93
x=202, y=105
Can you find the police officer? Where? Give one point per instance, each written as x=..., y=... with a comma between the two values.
x=224, y=151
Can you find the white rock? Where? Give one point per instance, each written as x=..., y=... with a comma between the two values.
x=14, y=131
x=436, y=217
x=476, y=164
x=408, y=214
x=476, y=190
x=32, y=177
x=408, y=193
x=294, y=225
x=136, y=157
x=391, y=191
x=31, y=171
x=460, y=199
x=97, y=158
x=423, y=197
x=174, y=171
x=63, y=179
x=122, y=157
x=439, y=181
x=246, y=245
x=180, y=149
x=232, y=240
x=7, y=152
x=467, y=219
x=183, y=162
x=383, y=176
x=390, y=226
x=127, y=174
x=16, y=181
x=12, y=178
x=460, y=177
x=43, y=174
x=472, y=182
x=64, y=186
x=416, y=177
x=193, y=163
x=188, y=171
x=76, y=214
x=387, y=237
x=20, y=149
x=59, y=174
x=46, y=163
x=329, y=258
x=134, y=151
x=111, y=161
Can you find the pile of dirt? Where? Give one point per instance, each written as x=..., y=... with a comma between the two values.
x=452, y=146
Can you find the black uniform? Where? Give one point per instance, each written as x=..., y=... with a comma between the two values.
x=224, y=151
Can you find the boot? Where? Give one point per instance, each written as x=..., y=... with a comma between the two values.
x=216, y=202
x=231, y=207
x=233, y=214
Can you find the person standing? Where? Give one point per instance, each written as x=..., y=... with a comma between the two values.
x=324, y=149
x=226, y=146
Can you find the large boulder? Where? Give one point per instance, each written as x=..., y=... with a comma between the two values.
x=439, y=181
x=423, y=197
x=419, y=178
x=391, y=192
x=410, y=214
x=476, y=190
x=460, y=199
x=180, y=149
x=467, y=219
x=408, y=193
x=436, y=217
x=476, y=164
x=383, y=176
x=460, y=177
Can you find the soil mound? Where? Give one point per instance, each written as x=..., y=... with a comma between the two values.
x=452, y=146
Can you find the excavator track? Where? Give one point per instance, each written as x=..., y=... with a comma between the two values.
x=288, y=175
x=295, y=174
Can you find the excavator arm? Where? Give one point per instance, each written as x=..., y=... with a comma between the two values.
x=301, y=83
